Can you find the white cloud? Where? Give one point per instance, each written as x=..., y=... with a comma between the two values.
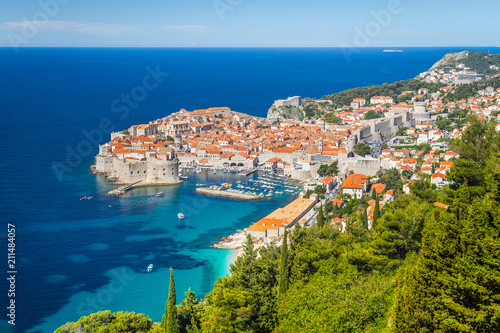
x=197, y=28
x=102, y=29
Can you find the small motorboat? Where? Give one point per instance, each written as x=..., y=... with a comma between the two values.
x=150, y=268
x=181, y=216
x=160, y=194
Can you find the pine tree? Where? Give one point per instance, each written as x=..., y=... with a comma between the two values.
x=283, y=277
x=243, y=269
x=188, y=313
x=455, y=283
x=169, y=320
x=320, y=219
x=376, y=212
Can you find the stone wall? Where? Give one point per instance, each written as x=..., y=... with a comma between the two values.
x=363, y=165
x=103, y=164
x=150, y=171
x=301, y=175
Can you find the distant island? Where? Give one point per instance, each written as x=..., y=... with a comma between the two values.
x=393, y=50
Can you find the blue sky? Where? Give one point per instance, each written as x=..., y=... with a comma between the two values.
x=253, y=23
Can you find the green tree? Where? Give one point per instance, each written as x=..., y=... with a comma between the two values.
x=336, y=299
x=423, y=190
x=243, y=270
x=333, y=119
x=399, y=231
x=228, y=309
x=365, y=218
x=374, y=194
x=320, y=219
x=475, y=147
x=284, y=268
x=169, y=320
x=376, y=212
x=372, y=115
x=333, y=169
x=425, y=147
x=188, y=313
x=106, y=321
x=362, y=149
x=455, y=284
x=392, y=179
x=407, y=174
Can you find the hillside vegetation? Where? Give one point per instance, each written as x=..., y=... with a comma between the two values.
x=419, y=269
x=393, y=90
x=478, y=62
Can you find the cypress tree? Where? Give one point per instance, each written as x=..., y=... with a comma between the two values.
x=374, y=194
x=169, y=320
x=320, y=219
x=283, y=277
x=365, y=219
x=376, y=212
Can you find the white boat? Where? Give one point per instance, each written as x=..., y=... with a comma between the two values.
x=181, y=216
x=160, y=194
x=150, y=268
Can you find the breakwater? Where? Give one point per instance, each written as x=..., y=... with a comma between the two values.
x=228, y=194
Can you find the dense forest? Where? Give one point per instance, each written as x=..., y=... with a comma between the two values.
x=419, y=269
x=393, y=90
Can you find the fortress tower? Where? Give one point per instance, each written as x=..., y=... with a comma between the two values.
x=421, y=115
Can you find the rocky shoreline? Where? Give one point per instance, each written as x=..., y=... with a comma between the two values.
x=232, y=242
x=227, y=194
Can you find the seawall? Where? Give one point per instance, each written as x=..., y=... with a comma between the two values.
x=227, y=194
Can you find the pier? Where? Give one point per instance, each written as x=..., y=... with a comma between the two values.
x=228, y=194
x=122, y=189
x=248, y=172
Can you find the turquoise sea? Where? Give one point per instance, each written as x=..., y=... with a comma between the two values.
x=75, y=257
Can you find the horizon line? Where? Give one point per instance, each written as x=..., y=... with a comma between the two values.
x=261, y=47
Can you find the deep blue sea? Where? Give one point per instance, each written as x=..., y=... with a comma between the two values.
x=76, y=257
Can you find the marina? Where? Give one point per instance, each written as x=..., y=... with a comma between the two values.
x=254, y=187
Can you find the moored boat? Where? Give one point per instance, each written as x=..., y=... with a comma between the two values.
x=181, y=216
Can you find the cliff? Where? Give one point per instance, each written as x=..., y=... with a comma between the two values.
x=449, y=59
x=285, y=112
